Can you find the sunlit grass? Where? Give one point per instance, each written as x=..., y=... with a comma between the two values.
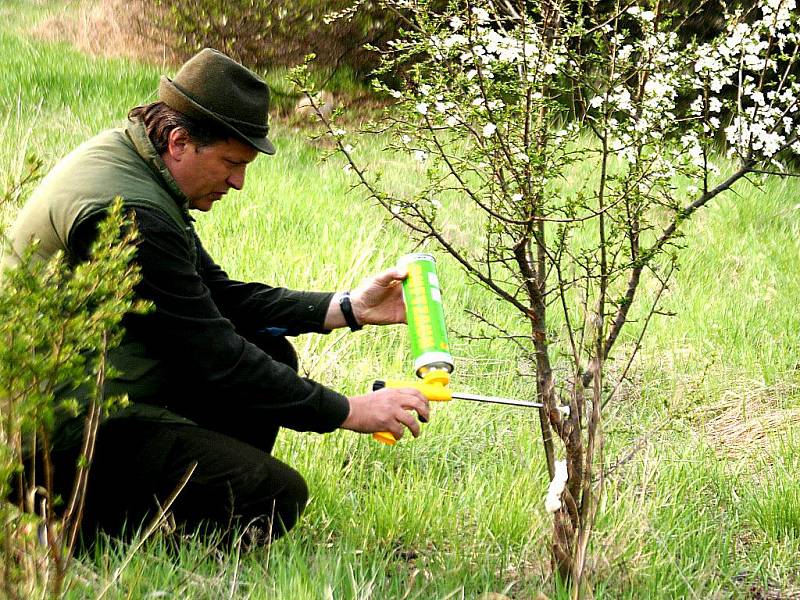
x=459, y=511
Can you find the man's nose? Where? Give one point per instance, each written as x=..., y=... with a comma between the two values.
x=236, y=179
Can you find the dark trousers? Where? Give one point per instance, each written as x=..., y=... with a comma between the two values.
x=236, y=484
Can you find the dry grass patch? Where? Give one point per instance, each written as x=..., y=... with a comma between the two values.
x=742, y=423
x=107, y=28
x=771, y=590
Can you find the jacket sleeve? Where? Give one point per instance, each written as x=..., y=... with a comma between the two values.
x=257, y=308
x=188, y=332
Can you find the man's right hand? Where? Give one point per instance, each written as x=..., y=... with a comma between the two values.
x=388, y=409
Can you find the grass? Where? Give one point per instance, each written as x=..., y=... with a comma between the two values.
x=458, y=512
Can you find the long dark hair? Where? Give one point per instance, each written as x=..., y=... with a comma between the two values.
x=159, y=120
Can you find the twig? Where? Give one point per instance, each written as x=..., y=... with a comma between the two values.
x=638, y=343
x=506, y=335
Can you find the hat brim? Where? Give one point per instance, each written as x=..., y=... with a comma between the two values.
x=173, y=97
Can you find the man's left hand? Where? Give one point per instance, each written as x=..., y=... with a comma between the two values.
x=378, y=300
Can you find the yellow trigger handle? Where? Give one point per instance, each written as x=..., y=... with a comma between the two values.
x=433, y=386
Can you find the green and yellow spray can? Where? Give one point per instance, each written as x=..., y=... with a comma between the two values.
x=430, y=348
x=427, y=332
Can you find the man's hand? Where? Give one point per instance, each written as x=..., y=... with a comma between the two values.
x=388, y=409
x=378, y=300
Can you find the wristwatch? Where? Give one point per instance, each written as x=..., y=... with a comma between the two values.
x=347, y=310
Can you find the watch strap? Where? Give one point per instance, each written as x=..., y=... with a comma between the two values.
x=346, y=306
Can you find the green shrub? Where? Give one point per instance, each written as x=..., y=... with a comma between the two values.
x=56, y=324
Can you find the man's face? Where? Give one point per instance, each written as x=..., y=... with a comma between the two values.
x=206, y=174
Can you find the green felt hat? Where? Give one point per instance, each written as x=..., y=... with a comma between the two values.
x=214, y=87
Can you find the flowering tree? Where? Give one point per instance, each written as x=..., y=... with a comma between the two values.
x=581, y=139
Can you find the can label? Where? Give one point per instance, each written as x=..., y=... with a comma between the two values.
x=425, y=314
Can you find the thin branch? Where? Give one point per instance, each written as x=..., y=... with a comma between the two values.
x=430, y=232
x=666, y=236
x=638, y=343
x=71, y=519
x=776, y=173
x=514, y=338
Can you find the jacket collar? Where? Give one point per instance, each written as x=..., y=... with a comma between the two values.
x=144, y=147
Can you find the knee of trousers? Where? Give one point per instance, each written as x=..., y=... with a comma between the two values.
x=281, y=509
x=290, y=505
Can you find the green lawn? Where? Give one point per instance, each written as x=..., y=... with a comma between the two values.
x=694, y=508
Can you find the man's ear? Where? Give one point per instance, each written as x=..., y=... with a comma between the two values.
x=178, y=143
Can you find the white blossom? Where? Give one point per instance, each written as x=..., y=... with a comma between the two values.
x=422, y=108
x=744, y=133
x=657, y=86
x=625, y=52
x=522, y=157
x=481, y=14
x=622, y=98
x=697, y=106
x=456, y=23
x=420, y=155
x=489, y=129
x=455, y=40
x=697, y=155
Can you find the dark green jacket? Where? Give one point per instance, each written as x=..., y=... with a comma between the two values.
x=196, y=339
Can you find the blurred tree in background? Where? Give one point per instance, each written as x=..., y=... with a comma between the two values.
x=267, y=33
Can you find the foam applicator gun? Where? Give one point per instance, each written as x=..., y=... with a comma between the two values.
x=434, y=386
x=430, y=349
